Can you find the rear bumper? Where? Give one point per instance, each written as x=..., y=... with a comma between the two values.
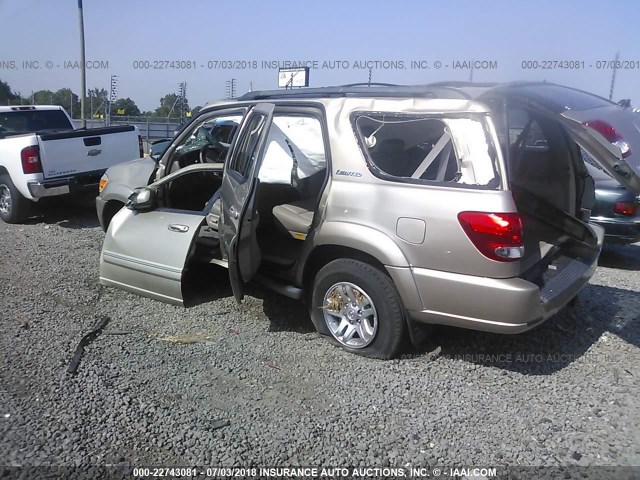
x=510, y=305
x=45, y=189
x=619, y=230
x=65, y=185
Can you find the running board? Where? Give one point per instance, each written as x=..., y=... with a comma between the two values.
x=281, y=287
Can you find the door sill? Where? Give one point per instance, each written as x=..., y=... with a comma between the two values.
x=218, y=261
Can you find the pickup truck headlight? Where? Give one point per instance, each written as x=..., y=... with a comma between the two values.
x=103, y=183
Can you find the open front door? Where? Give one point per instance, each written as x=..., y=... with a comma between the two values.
x=146, y=253
x=146, y=248
x=239, y=219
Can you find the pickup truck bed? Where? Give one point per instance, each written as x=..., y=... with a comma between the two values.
x=54, y=160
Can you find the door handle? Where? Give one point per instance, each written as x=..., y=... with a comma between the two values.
x=233, y=212
x=176, y=227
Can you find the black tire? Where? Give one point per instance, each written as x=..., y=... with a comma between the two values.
x=14, y=208
x=110, y=209
x=390, y=333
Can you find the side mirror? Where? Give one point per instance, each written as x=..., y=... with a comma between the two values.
x=142, y=199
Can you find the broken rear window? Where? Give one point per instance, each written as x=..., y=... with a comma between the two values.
x=421, y=149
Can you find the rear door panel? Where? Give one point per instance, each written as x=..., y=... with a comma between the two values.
x=237, y=223
x=146, y=252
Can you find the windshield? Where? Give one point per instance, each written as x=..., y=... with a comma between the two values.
x=17, y=122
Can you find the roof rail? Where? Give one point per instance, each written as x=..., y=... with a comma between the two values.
x=358, y=90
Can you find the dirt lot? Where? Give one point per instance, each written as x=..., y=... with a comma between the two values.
x=161, y=383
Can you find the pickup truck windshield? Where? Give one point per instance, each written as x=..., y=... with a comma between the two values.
x=18, y=122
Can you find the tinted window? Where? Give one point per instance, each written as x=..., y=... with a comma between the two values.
x=16, y=122
x=561, y=98
x=245, y=155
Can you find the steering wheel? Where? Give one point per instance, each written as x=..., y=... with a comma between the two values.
x=212, y=153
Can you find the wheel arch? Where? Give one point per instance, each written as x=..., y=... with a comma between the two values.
x=349, y=240
x=323, y=254
x=110, y=209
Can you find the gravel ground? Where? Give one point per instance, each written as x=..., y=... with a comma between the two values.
x=154, y=388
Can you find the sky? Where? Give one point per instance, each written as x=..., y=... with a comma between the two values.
x=39, y=44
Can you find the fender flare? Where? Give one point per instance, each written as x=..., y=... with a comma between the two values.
x=363, y=238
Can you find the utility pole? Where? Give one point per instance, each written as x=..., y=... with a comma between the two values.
x=182, y=99
x=231, y=89
x=613, y=76
x=83, y=73
x=113, y=95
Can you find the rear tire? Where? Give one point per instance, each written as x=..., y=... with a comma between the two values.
x=358, y=307
x=14, y=208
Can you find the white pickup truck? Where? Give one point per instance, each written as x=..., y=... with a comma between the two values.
x=41, y=155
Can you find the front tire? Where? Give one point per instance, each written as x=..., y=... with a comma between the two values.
x=358, y=307
x=14, y=208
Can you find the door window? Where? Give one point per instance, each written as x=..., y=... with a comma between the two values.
x=245, y=156
x=208, y=141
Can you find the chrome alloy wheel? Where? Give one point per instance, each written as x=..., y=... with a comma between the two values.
x=350, y=315
x=5, y=200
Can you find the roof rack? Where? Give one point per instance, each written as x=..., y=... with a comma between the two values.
x=360, y=90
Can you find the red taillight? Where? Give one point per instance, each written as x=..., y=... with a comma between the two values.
x=498, y=236
x=141, y=146
x=31, y=159
x=611, y=134
x=625, y=208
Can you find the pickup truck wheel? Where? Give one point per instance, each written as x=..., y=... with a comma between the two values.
x=358, y=308
x=14, y=208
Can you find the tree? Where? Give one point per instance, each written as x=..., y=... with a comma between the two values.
x=170, y=106
x=43, y=97
x=6, y=95
x=125, y=105
x=63, y=97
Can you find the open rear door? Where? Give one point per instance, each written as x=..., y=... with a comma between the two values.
x=239, y=219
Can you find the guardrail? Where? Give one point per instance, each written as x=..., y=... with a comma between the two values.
x=149, y=130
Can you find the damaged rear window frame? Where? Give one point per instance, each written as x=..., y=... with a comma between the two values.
x=376, y=171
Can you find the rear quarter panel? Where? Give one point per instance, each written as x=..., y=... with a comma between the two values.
x=365, y=200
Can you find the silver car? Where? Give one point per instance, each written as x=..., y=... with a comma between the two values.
x=385, y=208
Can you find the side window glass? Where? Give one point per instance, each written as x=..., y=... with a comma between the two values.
x=207, y=142
x=525, y=131
x=421, y=149
x=244, y=158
